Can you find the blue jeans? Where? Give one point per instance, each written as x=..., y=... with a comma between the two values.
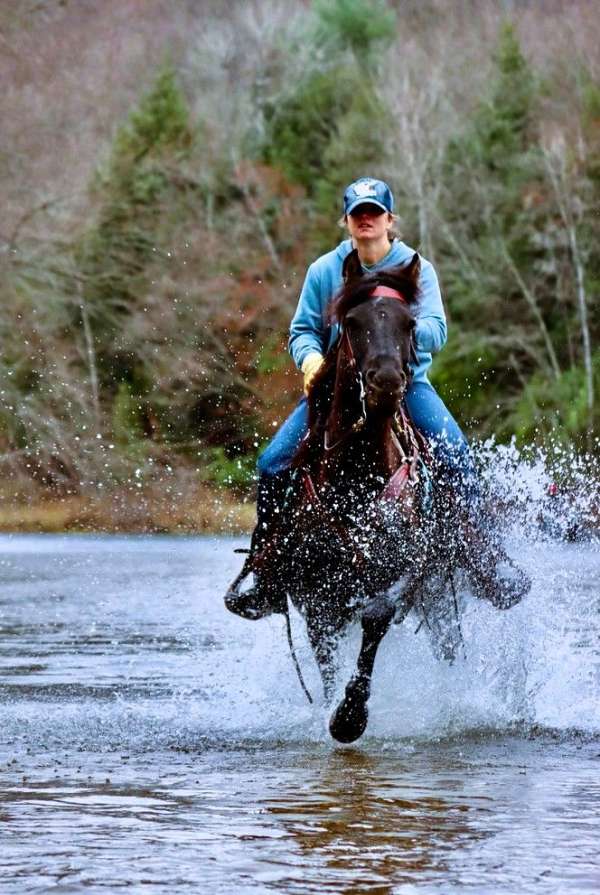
x=427, y=411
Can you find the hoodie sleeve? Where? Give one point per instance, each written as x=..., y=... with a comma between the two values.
x=308, y=330
x=431, y=329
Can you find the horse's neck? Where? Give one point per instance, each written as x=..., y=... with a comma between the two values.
x=377, y=447
x=342, y=416
x=367, y=458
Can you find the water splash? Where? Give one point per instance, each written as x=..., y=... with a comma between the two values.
x=140, y=623
x=551, y=493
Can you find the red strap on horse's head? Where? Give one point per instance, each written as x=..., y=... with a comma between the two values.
x=387, y=292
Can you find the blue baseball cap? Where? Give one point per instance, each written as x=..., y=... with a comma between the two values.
x=367, y=191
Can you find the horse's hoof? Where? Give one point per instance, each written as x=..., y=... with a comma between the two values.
x=349, y=721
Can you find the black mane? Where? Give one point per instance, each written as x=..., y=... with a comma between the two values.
x=358, y=285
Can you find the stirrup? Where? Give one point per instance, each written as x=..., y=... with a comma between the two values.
x=251, y=604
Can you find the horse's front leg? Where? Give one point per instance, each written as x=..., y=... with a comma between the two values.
x=349, y=720
x=324, y=643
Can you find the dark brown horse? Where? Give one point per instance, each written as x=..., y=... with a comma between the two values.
x=355, y=539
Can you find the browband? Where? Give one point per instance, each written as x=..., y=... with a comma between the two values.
x=387, y=292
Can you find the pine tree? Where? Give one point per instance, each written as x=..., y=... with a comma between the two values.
x=489, y=247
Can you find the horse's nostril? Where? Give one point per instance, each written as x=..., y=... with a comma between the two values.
x=385, y=380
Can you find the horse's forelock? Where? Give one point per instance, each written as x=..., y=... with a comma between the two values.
x=358, y=291
x=404, y=279
x=350, y=296
x=406, y=284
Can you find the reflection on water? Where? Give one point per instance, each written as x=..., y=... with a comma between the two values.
x=149, y=740
x=357, y=812
x=515, y=816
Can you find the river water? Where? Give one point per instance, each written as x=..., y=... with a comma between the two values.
x=151, y=741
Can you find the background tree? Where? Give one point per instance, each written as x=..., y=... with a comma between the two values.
x=159, y=217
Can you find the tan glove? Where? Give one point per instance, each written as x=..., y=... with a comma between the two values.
x=311, y=365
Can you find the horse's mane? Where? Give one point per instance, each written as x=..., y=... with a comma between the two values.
x=357, y=288
x=358, y=285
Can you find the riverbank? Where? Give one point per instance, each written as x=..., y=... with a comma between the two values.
x=151, y=511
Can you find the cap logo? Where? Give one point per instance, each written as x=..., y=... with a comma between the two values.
x=364, y=189
x=368, y=190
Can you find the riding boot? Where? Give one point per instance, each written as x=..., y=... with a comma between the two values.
x=265, y=596
x=492, y=574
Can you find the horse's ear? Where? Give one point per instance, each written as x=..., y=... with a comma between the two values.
x=413, y=268
x=407, y=272
x=352, y=268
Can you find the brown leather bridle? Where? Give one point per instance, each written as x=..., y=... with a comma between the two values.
x=380, y=291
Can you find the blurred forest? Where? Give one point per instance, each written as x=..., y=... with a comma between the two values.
x=169, y=169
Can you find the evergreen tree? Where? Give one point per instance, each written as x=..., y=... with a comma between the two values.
x=133, y=194
x=489, y=249
x=365, y=27
x=329, y=128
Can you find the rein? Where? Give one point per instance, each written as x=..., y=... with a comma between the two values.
x=359, y=423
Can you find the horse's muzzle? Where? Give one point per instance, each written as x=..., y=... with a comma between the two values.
x=385, y=385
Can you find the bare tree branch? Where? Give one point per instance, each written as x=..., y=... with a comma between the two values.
x=533, y=304
x=564, y=192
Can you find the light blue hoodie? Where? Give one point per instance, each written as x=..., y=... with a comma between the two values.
x=309, y=330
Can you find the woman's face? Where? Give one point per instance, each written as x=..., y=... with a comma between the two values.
x=368, y=221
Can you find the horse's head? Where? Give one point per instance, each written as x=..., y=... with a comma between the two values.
x=367, y=372
x=377, y=324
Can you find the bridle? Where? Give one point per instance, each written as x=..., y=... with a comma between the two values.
x=380, y=291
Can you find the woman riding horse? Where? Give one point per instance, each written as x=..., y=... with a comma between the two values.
x=368, y=215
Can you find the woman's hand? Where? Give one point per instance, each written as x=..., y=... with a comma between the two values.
x=311, y=365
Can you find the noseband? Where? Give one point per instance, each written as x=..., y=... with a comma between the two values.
x=378, y=292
